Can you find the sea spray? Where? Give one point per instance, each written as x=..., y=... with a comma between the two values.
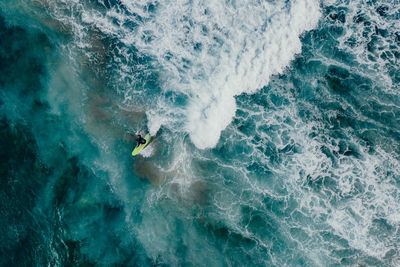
x=304, y=174
x=206, y=52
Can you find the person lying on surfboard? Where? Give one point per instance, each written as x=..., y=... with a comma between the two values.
x=140, y=139
x=142, y=143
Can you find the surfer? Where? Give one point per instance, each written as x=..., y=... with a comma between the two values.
x=141, y=143
x=140, y=139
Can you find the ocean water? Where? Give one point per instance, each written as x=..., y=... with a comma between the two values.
x=276, y=137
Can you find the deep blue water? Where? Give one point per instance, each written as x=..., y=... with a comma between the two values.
x=276, y=138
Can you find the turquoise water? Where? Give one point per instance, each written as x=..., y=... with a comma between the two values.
x=275, y=133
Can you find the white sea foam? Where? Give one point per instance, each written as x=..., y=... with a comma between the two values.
x=241, y=46
x=363, y=193
x=354, y=197
x=209, y=51
x=370, y=36
x=148, y=152
x=238, y=53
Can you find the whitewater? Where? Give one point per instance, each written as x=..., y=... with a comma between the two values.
x=276, y=138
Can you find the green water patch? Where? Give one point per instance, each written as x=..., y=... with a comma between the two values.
x=23, y=175
x=32, y=232
x=41, y=184
x=347, y=97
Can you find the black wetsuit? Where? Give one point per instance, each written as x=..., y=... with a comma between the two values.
x=140, y=140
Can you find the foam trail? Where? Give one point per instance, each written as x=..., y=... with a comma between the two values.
x=208, y=53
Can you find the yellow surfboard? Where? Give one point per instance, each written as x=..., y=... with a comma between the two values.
x=140, y=147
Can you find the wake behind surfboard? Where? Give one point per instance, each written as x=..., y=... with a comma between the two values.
x=140, y=147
